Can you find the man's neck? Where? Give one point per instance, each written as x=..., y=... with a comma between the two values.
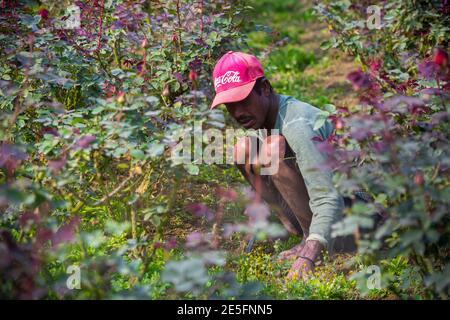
x=272, y=114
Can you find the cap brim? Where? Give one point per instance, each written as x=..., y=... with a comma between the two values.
x=233, y=95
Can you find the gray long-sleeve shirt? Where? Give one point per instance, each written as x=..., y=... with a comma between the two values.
x=295, y=121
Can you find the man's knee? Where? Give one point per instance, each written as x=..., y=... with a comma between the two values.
x=241, y=153
x=273, y=150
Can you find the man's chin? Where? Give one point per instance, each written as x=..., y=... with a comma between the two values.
x=249, y=125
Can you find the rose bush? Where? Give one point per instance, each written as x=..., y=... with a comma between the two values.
x=398, y=134
x=88, y=112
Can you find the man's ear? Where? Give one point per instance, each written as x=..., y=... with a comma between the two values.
x=266, y=87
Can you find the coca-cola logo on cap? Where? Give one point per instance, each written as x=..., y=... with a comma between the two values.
x=228, y=77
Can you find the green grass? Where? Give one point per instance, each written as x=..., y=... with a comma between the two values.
x=291, y=58
x=295, y=68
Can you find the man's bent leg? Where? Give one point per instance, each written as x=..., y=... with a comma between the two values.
x=289, y=181
x=264, y=186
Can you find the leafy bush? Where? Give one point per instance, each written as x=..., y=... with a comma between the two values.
x=88, y=116
x=399, y=133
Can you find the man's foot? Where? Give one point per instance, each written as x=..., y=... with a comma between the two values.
x=293, y=252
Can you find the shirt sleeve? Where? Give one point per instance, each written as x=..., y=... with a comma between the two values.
x=325, y=202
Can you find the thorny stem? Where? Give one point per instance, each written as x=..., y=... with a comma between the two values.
x=179, y=24
x=18, y=108
x=216, y=227
x=440, y=95
x=201, y=19
x=117, y=189
x=99, y=44
x=144, y=62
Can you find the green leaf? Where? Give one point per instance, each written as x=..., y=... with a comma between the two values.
x=138, y=154
x=116, y=228
x=98, y=110
x=320, y=120
x=155, y=149
x=12, y=195
x=30, y=21
x=192, y=169
x=330, y=108
x=412, y=236
x=116, y=72
x=326, y=45
x=213, y=35
x=381, y=198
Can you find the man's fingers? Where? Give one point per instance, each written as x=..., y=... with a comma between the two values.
x=301, y=269
x=288, y=254
x=293, y=252
x=285, y=255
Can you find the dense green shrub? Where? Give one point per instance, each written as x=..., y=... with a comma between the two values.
x=88, y=117
x=399, y=133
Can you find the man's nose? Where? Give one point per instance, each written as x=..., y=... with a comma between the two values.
x=238, y=112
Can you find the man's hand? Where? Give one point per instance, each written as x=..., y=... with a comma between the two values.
x=304, y=265
x=294, y=252
x=301, y=269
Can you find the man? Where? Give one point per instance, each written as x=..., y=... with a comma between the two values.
x=304, y=196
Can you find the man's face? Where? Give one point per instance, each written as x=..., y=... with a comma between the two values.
x=250, y=112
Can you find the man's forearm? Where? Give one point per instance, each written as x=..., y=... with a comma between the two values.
x=325, y=215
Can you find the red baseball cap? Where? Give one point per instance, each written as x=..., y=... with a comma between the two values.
x=234, y=76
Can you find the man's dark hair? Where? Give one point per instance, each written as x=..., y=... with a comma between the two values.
x=258, y=85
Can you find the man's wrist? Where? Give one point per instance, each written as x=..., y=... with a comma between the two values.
x=312, y=249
